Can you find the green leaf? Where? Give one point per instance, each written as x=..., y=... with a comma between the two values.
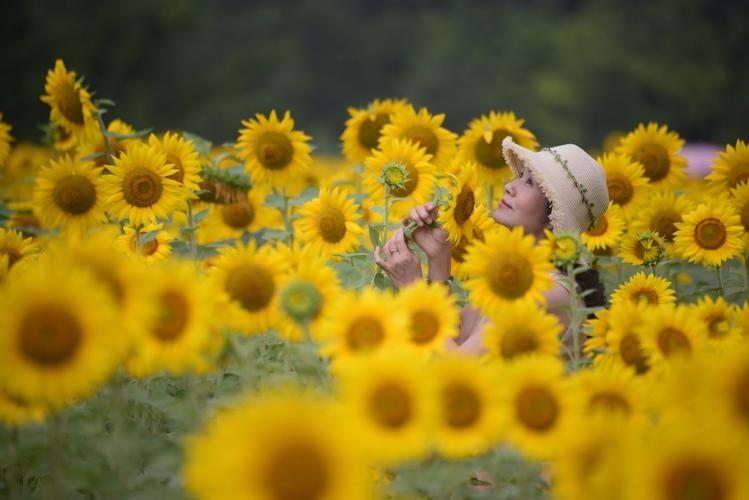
x=92, y=156
x=374, y=236
x=274, y=200
x=200, y=216
x=202, y=146
x=102, y=101
x=149, y=236
x=307, y=195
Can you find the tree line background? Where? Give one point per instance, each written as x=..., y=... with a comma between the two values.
x=574, y=69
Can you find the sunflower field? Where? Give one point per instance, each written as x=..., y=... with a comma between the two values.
x=182, y=319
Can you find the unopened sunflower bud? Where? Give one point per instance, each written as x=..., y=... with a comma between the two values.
x=394, y=175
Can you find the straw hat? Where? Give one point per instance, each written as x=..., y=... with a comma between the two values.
x=574, y=183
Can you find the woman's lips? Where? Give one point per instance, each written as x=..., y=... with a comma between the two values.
x=503, y=203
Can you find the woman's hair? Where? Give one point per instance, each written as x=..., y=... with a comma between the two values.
x=586, y=280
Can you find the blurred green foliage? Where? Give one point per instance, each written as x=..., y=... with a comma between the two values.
x=574, y=69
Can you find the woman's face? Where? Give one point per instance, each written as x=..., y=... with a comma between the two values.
x=523, y=204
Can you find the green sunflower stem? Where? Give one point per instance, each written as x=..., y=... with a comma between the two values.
x=108, y=151
x=138, y=246
x=15, y=473
x=56, y=457
x=287, y=217
x=720, y=279
x=387, y=215
x=191, y=229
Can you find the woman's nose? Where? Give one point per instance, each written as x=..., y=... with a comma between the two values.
x=510, y=188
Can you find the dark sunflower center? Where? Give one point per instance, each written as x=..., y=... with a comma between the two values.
x=142, y=187
x=739, y=174
x=70, y=104
x=369, y=132
x=13, y=255
x=410, y=184
x=741, y=394
x=332, y=224
x=610, y=401
x=517, y=341
x=710, y=234
x=620, y=189
x=296, y=471
x=646, y=295
x=745, y=216
x=695, y=479
x=458, y=252
x=252, y=286
x=509, y=275
x=146, y=249
x=49, y=335
x=489, y=154
x=424, y=137
x=599, y=227
x=364, y=333
x=537, y=408
x=174, y=314
x=461, y=406
x=179, y=175
x=238, y=215
x=664, y=223
x=302, y=301
x=671, y=340
x=717, y=326
x=464, y=205
x=74, y=194
x=274, y=150
x=424, y=326
x=632, y=353
x=654, y=158
x=390, y=406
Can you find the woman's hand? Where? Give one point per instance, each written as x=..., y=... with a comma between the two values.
x=402, y=265
x=432, y=240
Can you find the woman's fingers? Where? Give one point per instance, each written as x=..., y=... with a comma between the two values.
x=379, y=260
x=424, y=214
x=416, y=217
x=399, y=241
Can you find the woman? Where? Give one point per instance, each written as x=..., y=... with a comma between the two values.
x=560, y=188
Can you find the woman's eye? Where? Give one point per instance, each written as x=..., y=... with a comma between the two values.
x=529, y=180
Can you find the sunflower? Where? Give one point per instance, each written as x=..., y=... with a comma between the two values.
x=660, y=214
x=423, y=129
x=482, y=224
x=183, y=157
x=607, y=230
x=15, y=411
x=5, y=140
x=466, y=197
x=564, y=247
x=58, y=339
x=710, y=234
x=249, y=278
x=624, y=340
x=264, y=451
x=180, y=337
x=364, y=323
x=482, y=143
x=614, y=392
x=307, y=295
x=70, y=103
x=15, y=248
x=740, y=201
x=155, y=243
x=68, y=194
x=597, y=329
x=731, y=169
x=645, y=248
x=392, y=402
x=139, y=188
x=625, y=179
x=669, y=331
x=273, y=152
x=727, y=387
x=329, y=223
x=520, y=329
x=656, y=148
x=648, y=288
x=506, y=267
x=97, y=147
x=433, y=317
x=364, y=127
x=232, y=220
x=718, y=317
x=469, y=414
x=538, y=405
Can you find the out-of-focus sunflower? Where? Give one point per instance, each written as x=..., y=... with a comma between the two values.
x=68, y=194
x=740, y=202
x=482, y=224
x=482, y=143
x=139, y=188
x=263, y=450
x=467, y=197
x=520, y=329
x=5, y=141
x=648, y=288
x=392, y=402
x=718, y=317
x=15, y=411
x=508, y=266
x=433, y=317
x=232, y=220
x=58, y=335
x=613, y=391
x=15, y=247
x=538, y=403
x=97, y=146
x=564, y=247
x=642, y=248
x=669, y=332
x=625, y=179
x=307, y=295
x=249, y=278
x=731, y=168
x=363, y=324
x=153, y=247
x=710, y=234
x=660, y=214
x=24, y=161
x=469, y=414
x=726, y=389
x=329, y=223
x=364, y=127
x=70, y=102
x=607, y=230
x=657, y=149
x=597, y=329
x=624, y=340
x=274, y=153
x=183, y=157
x=423, y=129
x=181, y=336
